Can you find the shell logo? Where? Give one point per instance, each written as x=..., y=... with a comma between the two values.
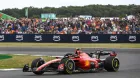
x=87, y=63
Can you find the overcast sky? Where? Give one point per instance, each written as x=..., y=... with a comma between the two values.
x=58, y=3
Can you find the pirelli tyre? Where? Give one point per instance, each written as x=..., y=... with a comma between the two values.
x=111, y=64
x=35, y=64
x=69, y=66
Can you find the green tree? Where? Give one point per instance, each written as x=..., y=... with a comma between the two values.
x=71, y=11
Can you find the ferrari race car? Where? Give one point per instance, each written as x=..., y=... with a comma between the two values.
x=76, y=62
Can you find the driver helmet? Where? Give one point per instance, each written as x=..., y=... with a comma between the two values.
x=78, y=51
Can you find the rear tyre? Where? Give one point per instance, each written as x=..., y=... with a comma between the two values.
x=35, y=64
x=69, y=66
x=111, y=64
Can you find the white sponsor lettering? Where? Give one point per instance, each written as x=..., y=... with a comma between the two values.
x=113, y=38
x=132, y=38
x=75, y=38
x=94, y=38
x=19, y=37
x=1, y=37
x=56, y=38
x=38, y=38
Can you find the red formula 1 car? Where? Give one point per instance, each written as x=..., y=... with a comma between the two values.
x=76, y=62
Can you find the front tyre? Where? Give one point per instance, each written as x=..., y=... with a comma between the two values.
x=35, y=64
x=69, y=66
x=111, y=64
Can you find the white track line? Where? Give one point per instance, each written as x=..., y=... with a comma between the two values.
x=118, y=48
x=12, y=69
x=38, y=55
x=56, y=56
x=21, y=54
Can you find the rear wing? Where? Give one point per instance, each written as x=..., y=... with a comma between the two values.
x=111, y=53
x=104, y=53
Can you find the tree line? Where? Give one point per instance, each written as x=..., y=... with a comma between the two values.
x=72, y=11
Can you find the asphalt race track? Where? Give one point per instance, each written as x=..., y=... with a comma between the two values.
x=129, y=64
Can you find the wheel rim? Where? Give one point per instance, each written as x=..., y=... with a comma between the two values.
x=70, y=65
x=115, y=64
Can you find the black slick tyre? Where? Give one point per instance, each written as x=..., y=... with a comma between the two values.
x=111, y=64
x=69, y=66
x=35, y=64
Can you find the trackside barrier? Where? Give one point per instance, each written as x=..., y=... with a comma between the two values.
x=55, y=38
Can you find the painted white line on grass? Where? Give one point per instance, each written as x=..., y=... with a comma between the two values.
x=49, y=56
x=12, y=69
x=57, y=56
x=21, y=54
x=108, y=48
x=38, y=55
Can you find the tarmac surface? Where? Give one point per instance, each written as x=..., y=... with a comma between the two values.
x=129, y=63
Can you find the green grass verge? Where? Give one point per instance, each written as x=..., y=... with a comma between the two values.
x=3, y=56
x=73, y=45
x=18, y=61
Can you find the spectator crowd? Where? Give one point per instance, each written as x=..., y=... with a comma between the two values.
x=70, y=26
